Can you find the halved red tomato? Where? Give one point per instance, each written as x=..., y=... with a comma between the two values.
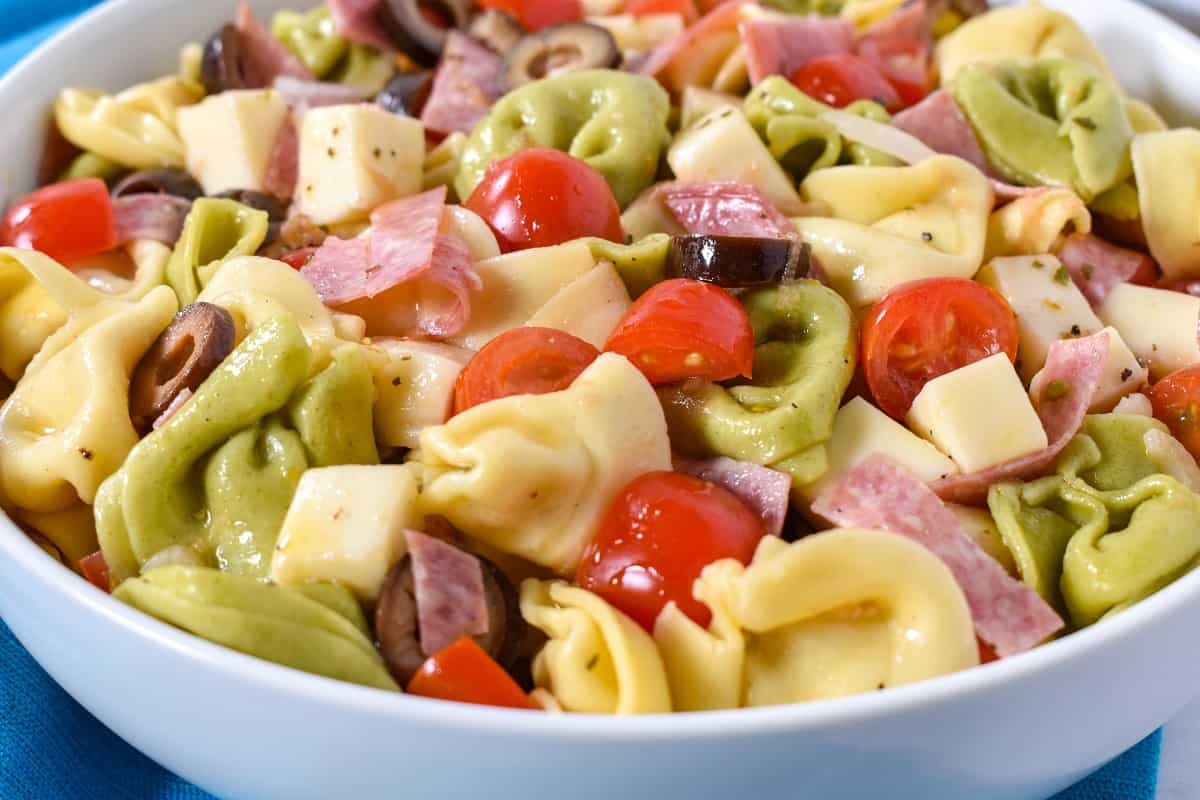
x=66, y=221
x=841, y=78
x=537, y=14
x=1176, y=401
x=526, y=360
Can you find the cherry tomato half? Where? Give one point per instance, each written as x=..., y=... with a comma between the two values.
x=525, y=360
x=926, y=328
x=463, y=672
x=66, y=221
x=657, y=536
x=841, y=78
x=686, y=329
x=904, y=63
x=1176, y=401
x=685, y=8
x=537, y=14
x=542, y=197
x=95, y=569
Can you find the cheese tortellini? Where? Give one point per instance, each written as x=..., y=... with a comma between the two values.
x=832, y=614
x=1033, y=224
x=890, y=225
x=136, y=128
x=597, y=660
x=1167, y=168
x=576, y=449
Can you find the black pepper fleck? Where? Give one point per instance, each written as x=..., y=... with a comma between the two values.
x=1086, y=123
x=396, y=382
x=1126, y=374
x=377, y=152
x=927, y=236
x=595, y=659
x=331, y=152
x=1075, y=331
x=88, y=455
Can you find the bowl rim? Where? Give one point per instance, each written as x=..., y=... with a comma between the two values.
x=49, y=573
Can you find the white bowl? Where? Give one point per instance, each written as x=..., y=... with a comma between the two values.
x=1021, y=728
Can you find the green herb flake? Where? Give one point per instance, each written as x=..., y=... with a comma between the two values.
x=595, y=659
x=1038, y=264
x=1062, y=277
x=1058, y=389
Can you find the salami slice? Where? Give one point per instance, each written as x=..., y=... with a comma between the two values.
x=464, y=87
x=283, y=167
x=448, y=588
x=264, y=58
x=763, y=489
x=881, y=494
x=358, y=21
x=725, y=208
x=779, y=44
x=150, y=216
x=1097, y=266
x=939, y=123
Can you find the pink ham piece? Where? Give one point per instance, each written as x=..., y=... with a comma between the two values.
x=763, y=489
x=448, y=589
x=150, y=216
x=881, y=494
x=781, y=44
x=724, y=208
x=1074, y=363
x=1097, y=266
x=264, y=58
x=722, y=19
x=465, y=85
x=283, y=167
x=939, y=123
x=453, y=271
x=358, y=21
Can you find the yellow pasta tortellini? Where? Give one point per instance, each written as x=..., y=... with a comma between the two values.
x=72, y=531
x=1029, y=30
x=833, y=614
x=135, y=128
x=576, y=449
x=1167, y=168
x=442, y=163
x=1032, y=224
x=889, y=225
x=66, y=426
x=597, y=659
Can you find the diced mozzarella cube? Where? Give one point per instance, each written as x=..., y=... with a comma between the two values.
x=721, y=146
x=979, y=415
x=354, y=158
x=1048, y=305
x=230, y=136
x=1122, y=374
x=414, y=386
x=589, y=307
x=346, y=524
x=861, y=430
x=1158, y=325
x=697, y=102
x=514, y=286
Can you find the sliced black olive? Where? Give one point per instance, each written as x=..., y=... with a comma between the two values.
x=275, y=208
x=498, y=30
x=736, y=261
x=183, y=356
x=406, y=93
x=563, y=48
x=398, y=633
x=221, y=64
x=175, y=182
x=419, y=27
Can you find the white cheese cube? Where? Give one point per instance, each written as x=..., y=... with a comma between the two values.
x=346, y=524
x=1122, y=375
x=1048, y=305
x=642, y=31
x=697, y=102
x=354, y=158
x=589, y=307
x=414, y=386
x=861, y=430
x=721, y=146
x=1158, y=325
x=979, y=415
x=230, y=136
x=514, y=286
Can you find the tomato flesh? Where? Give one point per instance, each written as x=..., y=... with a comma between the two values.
x=685, y=8
x=463, y=672
x=67, y=221
x=841, y=78
x=95, y=569
x=537, y=14
x=542, y=197
x=904, y=63
x=683, y=329
x=1176, y=401
x=527, y=360
x=926, y=328
x=657, y=536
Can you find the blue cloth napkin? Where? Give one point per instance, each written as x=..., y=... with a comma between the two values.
x=51, y=748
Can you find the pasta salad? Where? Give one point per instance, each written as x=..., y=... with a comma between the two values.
x=613, y=356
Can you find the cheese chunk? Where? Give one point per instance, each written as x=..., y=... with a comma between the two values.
x=346, y=524
x=354, y=158
x=979, y=415
x=229, y=138
x=861, y=430
x=589, y=307
x=1122, y=375
x=414, y=386
x=641, y=31
x=721, y=146
x=513, y=287
x=1158, y=325
x=1048, y=305
x=696, y=102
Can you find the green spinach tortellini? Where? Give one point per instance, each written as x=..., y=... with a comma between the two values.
x=215, y=230
x=615, y=121
x=640, y=264
x=311, y=37
x=216, y=480
x=1113, y=525
x=790, y=124
x=1050, y=122
x=317, y=629
x=803, y=362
